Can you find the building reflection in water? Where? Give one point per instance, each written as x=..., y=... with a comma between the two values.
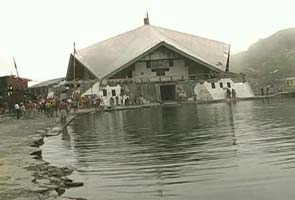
x=163, y=146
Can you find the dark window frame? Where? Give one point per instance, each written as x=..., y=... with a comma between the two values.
x=113, y=93
x=213, y=85
x=104, y=92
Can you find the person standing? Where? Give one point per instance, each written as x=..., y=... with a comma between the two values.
x=112, y=102
x=17, y=110
x=127, y=102
x=233, y=94
x=22, y=109
x=228, y=94
x=76, y=106
x=97, y=103
x=267, y=90
x=117, y=100
x=63, y=108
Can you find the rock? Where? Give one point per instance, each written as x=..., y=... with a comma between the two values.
x=44, y=183
x=53, y=194
x=67, y=170
x=60, y=190
x=39, y=189
x=37, y=154
x=55, y=180
x=51, y=134
x=73, y=198
x=54, y=171
x=66, y=179
x=74, y=184
x=37, y=141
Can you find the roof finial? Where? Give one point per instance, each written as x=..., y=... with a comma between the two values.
x=146, y=19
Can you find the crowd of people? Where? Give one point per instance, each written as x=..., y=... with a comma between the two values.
x=49, y=107
x=104, y=102
x=53, y=106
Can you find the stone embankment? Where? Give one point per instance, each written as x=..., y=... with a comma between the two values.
x=23, y=173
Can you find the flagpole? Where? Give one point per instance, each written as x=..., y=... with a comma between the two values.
x=15, y=66
x=74, y=62
x=227, y=62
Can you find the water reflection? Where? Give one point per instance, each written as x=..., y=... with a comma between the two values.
x=177, y=152
x=65, y=134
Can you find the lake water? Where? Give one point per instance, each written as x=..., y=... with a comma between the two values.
x=217, y=151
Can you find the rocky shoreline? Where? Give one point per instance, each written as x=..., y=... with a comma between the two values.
x=51, y=180
x=23, y=173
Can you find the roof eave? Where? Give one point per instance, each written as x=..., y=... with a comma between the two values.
x=72, y=57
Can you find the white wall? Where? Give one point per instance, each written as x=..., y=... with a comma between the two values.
x=106, y=99
x=140, y=67
x=92, y=90
x=205, y=91
x=179, y=69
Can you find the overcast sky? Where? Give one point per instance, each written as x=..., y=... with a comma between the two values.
x=40, y=33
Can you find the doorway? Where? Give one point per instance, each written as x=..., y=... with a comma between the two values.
x=168, y=92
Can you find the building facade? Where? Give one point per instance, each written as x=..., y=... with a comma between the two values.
x=159, y=64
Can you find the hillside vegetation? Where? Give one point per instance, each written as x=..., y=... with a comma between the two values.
x=268, y=59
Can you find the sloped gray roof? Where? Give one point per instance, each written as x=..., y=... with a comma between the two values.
x=107, y=56
x=48, y=83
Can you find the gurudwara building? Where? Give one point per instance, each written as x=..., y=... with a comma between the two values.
x=157, y=63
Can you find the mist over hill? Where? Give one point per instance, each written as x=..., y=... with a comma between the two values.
x=268, y=59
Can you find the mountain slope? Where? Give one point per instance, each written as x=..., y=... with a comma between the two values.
x=268, y=59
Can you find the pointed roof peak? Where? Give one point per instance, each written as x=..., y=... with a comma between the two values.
x=108, y=56
x=146, y=20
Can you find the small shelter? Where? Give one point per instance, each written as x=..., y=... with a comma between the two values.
x=45, y=87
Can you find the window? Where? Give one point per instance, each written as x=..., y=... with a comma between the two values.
x=148, y=64
x=213, y=85
x=160, y=72
x=104, y=92
x=221, y=85
x=171, y=63
x=228, y=84
x=113, y=93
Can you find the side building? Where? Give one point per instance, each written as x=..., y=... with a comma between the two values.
x=159, y=64
x=12, y=90
x=45, y=88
